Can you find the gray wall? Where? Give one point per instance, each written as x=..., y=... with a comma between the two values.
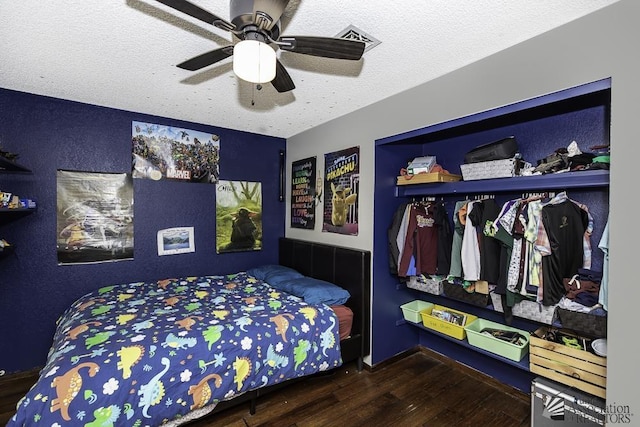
x=600, y=45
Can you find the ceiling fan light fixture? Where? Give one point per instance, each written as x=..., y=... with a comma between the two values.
x=254, y=61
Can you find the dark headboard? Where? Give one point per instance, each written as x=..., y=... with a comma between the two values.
x=346, y=267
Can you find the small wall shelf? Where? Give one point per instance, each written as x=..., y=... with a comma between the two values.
x=7, y=251
x=8, y=166
x=7, y=215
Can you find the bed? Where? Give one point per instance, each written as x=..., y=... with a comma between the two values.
x=173, y=350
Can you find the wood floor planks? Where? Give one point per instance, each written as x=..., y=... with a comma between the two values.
x=420, y=389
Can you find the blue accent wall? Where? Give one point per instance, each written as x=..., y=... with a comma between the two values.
x=51, y=134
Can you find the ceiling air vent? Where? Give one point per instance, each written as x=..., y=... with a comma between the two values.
x=354, y=33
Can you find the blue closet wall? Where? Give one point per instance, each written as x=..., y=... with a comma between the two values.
x=51, y=134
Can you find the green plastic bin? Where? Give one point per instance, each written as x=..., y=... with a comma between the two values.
x=411, y=310
x=495, y=345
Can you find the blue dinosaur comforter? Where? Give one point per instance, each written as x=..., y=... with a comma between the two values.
x=145, y=353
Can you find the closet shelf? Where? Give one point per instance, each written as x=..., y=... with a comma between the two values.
x=559, y=181
x=522, y=364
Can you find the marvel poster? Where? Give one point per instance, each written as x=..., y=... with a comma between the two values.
x=341, y=182
x=238, y=216
x=94, y=217
x=165, y=152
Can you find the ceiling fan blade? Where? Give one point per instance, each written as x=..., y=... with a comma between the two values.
x=267, y=13
x=192, y=10
x=328, y=47
x=282, y=82
x=206, y=59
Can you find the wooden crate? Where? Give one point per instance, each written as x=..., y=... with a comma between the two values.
x=566, y=365
x=424, y=178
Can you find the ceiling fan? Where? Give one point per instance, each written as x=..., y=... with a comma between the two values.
x=259, y=20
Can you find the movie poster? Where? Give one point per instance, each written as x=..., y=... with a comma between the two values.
x=165, y=152
x=238, y=216
x=303, y=193
x=94, y=217
x=341, y=182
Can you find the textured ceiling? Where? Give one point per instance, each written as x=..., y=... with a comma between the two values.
x=123, y=54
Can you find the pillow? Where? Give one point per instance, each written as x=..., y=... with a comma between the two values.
x=314, y=291
x=273, y=273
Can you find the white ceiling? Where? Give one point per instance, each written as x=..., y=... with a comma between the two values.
x=123, y=54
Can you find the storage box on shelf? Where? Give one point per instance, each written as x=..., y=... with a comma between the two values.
x=526, y=309
x=567, y=365
x=443, y=326
x=478, y=338
x=458, y=292
x=411, y=310
x=506, y=168
x=591, y=325
x=424, y=178
x=432, y=285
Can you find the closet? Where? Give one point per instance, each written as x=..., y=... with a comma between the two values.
x=540, y=125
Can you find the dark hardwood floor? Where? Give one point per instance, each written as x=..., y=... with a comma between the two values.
x=421, y=389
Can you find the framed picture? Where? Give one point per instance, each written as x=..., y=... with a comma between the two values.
x=177, y=240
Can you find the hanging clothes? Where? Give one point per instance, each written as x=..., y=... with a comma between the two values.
x=516, y=262
x=538, y=247
x=401, y=240
x=470, y=252
x=392, y=234
x=604, y=284
x=501, y=231
x=445, y=239
x=459, y=221
x=421, y=240
x=566, y=224
x=482, y=217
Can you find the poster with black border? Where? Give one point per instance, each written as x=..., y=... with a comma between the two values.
x=238, y=216
x=341, y=184
x=167, y=152
x=94, y=217
x=303, y=193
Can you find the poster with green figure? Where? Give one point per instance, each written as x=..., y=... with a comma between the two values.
x=238, y=216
